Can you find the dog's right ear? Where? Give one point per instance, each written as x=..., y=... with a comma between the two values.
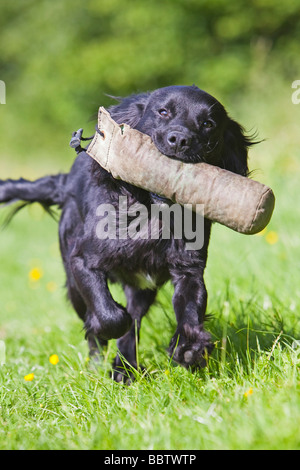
x=130, y=110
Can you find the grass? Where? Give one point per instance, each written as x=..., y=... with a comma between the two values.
x=249, y=395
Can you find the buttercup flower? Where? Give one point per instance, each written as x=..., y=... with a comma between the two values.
x=272, y=237
x=35, y=274
x=53, y=359
x=29, y=377
x=248, y=393
x=51, y=286
x=261, y=233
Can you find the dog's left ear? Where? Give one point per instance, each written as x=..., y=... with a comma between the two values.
x=130, y=110
x=235, y=148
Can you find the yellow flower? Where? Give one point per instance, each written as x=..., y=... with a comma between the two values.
x=261, y=233
x=51, y=286
x=53, y=359
x=29, y=377
x=248, y=393
x=35, y=274
x=272, y=237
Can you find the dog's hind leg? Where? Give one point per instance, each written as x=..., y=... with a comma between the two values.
x=138, y=304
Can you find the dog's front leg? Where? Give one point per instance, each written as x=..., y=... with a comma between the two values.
x=105, y=318
x=190, y=344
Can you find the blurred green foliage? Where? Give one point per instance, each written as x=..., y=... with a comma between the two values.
x=60, y=59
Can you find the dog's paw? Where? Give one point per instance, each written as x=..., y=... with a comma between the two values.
x=124, y=371
x=191, y=346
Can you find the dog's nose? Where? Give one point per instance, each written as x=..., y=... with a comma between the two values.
x=177, y=140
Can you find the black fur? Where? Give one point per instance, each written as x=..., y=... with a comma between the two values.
x=187, y=124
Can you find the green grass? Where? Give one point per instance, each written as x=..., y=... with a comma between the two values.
x=249, y=395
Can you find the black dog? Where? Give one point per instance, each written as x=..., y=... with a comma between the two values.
x=187, y=124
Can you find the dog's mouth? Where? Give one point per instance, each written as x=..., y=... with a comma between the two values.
x=169, y=152
x=194, y=158
x=187, y=155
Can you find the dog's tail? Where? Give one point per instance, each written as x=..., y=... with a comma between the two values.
x=48, y=191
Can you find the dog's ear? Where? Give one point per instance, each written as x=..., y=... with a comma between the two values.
x=130, y=109
x=235, y=148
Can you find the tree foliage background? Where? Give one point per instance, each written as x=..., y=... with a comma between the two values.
x=59, y=59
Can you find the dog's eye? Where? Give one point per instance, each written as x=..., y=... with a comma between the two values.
x=163, y=112
x=207, y=124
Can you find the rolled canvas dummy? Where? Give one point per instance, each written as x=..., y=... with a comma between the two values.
x=235, y=201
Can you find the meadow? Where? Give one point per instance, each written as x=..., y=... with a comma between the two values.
x=52, y=397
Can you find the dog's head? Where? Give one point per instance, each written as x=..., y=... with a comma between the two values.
x=188, y=124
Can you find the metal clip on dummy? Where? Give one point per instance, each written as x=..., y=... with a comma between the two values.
x=76, y=139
